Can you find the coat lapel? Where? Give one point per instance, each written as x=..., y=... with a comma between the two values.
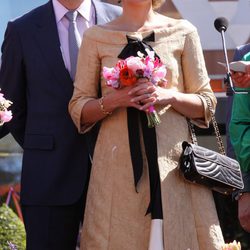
x=100, y=12
x=46, y=34
x=48, y=41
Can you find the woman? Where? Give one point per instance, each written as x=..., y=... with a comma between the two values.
x=119, y=209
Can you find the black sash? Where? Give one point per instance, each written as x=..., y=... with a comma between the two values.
x=134, y=119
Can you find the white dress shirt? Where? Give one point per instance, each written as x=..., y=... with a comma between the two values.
x=85, y=19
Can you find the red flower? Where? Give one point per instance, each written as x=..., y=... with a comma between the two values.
x=127, y=77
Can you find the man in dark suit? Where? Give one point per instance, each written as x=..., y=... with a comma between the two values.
x=35, y=76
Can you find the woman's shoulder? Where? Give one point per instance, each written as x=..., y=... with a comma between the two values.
x=180, y=25
x=103, y=34
x=91, y=31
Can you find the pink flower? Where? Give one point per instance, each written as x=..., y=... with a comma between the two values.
x=158, y=74
x=149, y=64
x=5, y=116
x=135, y=63
x=151, y=54
x=111, y=75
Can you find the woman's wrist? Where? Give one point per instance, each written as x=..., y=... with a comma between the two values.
x=175, y=97
x=106, y=105
x=171, y=98
x=103, y=109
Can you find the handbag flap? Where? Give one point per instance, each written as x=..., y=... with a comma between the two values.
x=214, y=165
x=215, y=157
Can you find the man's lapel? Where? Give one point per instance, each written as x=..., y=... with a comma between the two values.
x=48, y=40
x=100, y=12
x=49, y=43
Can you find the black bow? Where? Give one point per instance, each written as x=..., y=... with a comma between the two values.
x=134, y=118
x=134, y=45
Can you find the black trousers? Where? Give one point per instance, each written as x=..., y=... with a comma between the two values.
x=53, y=227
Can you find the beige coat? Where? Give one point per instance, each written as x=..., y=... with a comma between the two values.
x=115, y=214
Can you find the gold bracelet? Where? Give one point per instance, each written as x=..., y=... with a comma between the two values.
x=102, y=107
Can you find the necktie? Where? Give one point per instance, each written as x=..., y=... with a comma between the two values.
x=74, y=41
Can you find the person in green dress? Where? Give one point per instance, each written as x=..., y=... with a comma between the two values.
x=239, y=129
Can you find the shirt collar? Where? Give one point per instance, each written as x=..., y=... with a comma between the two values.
x=85, y=10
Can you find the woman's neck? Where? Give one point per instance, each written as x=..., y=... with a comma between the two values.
x=137, y=19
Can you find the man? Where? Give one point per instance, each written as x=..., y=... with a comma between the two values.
x=239, y=128
x=35, y=76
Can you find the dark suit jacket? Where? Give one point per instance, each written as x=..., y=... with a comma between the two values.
x=33, y=76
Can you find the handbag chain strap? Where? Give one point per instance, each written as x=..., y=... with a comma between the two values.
x=215, y=126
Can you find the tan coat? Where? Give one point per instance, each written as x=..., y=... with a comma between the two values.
x=115, y=214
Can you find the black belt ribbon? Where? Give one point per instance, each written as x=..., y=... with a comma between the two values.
x=134, y=118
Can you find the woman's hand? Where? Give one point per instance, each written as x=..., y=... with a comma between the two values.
x=244, y=211
x=147, y=94
x=94, y=110
x=144, y=94
x=122, y=98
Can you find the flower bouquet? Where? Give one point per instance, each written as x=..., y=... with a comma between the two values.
x=127, y=72
x=231, y=246
x=5, y=114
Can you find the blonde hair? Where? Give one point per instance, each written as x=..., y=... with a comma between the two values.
x=157, y=3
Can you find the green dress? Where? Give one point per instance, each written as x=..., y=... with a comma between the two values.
x=240, y=126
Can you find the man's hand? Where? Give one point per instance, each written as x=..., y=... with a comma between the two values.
x=244, y=211
x=240, y=79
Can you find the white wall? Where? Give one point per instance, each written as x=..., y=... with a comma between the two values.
x=10, y=9
x=202, y=14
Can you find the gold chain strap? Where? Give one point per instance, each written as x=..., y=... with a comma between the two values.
x=215, y=126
